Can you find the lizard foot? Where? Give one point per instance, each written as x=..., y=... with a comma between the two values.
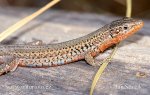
x=36, y=42
x=5, y=68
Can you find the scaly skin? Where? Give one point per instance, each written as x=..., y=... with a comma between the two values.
x=85, y=47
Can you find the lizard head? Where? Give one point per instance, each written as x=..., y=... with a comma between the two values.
x=121, y=29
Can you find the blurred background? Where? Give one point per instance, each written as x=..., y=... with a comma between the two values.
x=117, y=7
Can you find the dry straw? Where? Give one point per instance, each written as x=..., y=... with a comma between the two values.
x=25, y=20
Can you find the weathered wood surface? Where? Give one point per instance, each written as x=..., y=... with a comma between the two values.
x=119, y=78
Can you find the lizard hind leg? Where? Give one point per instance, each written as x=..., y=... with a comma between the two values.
x=36, y=42
x=40, y=42
x=8, y=67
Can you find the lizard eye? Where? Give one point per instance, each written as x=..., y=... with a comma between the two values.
x=125, y=27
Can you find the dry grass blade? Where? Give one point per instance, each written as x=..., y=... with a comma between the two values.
x=25, y=20
x=104, y=65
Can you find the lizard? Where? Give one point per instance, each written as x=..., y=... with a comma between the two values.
x=86, y=47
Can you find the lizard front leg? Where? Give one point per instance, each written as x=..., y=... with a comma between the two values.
x=91, y=61
x=8, y=67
